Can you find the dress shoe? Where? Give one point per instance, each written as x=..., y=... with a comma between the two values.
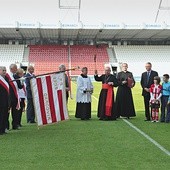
x=15, y=128
x=33, y=122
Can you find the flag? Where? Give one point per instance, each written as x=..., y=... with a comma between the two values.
x=49, y=96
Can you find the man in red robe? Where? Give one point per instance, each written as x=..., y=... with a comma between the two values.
x=106, y=99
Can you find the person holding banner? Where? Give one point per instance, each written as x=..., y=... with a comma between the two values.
x=4, y=100
x=106, y=108
x=14, y=86
x=30, y=106
x=124, y=99
x=83, y=97
x=62, y=68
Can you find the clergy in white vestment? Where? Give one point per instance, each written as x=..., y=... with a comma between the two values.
x=83, y=97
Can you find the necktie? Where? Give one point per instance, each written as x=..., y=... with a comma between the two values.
x=148, y=75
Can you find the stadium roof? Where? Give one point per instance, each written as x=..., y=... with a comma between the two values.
x=83, y=31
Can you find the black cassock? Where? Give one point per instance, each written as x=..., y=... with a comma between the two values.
x=124, y=99
x=103, y=96
x=4, y=104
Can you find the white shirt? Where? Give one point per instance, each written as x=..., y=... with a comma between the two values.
x=82, y=85
x=22, y=92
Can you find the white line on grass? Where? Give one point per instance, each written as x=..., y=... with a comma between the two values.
x=147, y=137
x=95, y=97
x=144, y=134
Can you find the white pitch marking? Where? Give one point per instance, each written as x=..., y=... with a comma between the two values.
x=145, y=135
x=95, y=97
x=148, y=137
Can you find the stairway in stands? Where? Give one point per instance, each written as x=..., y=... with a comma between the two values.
x=112, y=55
x=25, y=55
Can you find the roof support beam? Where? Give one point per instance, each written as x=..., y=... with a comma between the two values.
x=136, y=34
x=117, y=34
x=59, y=35
x=155, y=34
x=165, y=8
x=3, y=36
x=19, y=32
x=40, y=34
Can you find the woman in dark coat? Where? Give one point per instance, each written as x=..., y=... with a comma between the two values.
x=124, y=99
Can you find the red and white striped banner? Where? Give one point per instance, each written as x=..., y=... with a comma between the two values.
x=49, y=96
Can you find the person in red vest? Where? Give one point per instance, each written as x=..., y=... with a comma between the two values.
x=106, y=108
x=4, y=100
x=14, y=87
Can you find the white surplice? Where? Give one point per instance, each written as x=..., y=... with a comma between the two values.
x=83, y=84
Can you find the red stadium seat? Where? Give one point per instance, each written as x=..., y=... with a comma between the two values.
x=47, y=58
x=83, y=55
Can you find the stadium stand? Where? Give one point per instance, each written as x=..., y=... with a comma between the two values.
x=140, y=53
x=11, y=53
x=83, y=56
x=47, y=58
x=137, y=55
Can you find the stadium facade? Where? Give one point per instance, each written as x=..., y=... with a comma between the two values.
x=46, y=46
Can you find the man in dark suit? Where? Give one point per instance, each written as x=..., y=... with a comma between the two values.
x=4, y=100
x=147, y=80
x=14, y=97
x=30, y=106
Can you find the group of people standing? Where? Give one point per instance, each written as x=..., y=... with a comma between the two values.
x=108, y=108
x=154, y=94
x=13, y=94
x=15, y=91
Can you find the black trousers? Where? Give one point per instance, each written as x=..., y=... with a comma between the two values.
x=14, y=113
x=22, y=106
x=147, y=109
x=3, y=115
x=30, y=111
x=7, y=121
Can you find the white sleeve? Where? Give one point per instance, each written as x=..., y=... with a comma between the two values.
x=91, y=85
x=80, y=85
x=151, y=96
x=159, y=97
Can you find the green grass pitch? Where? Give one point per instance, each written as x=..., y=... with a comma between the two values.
x=87, y=145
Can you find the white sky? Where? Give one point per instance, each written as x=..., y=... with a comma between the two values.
x=92, y=11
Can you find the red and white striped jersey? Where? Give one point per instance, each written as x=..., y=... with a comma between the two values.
x=155, y=92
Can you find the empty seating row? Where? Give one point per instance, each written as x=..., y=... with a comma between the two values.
x=142, y=53
x=48, y=57
x=11, y=53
